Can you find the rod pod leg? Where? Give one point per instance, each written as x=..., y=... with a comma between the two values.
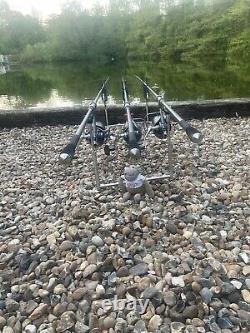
x=170, y=148
x=95, y=161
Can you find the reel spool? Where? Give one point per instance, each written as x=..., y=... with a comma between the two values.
x=161, y=126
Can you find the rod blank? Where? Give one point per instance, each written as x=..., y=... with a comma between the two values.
x=134, y=148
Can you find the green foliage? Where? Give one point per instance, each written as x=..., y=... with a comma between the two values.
x=141, y=29
x=17, y=30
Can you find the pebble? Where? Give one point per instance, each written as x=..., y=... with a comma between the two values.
x=66, y=245
x=89, y=270
x=39, y=311
x=2, y=322
x=246, y=270
x=177, y=327
x=97, y=241
x=30, y=329
x=59, y=289
x=178, y=281
x=8, y=329
x=246, y=295
x=64, y=248
x=140, y=269
x=154, y=323
x=79, y=293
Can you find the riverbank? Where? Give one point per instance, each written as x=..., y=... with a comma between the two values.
x=205, y=109
x=64, y=248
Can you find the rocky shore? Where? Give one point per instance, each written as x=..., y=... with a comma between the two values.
x=68, y=253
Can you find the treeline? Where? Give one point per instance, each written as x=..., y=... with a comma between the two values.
x=144, y=29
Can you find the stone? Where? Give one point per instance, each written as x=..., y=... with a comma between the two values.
x=246, y=295
x=80, y=213
x=247, y=282
x=224, y=323
x=11, y=305
x=245, y=257
x=59, y=289
x=139, y=269
x=227, y=288
x=246, y=270
x=89, y=270
x=66, y=245
x=2, y=322
x=51, y=239
x=170, y=298
x=172, y=228
x=8, y=329
x=81, y=328
x=177, y=327
x=244, y=316
x=123, y=271
x=108, y=224
x=178, y=281
x=67, y=321
x=30, y=329
x=154, y=323
x=237, y=284
x=190, y=329
x=190, y=312
x=79, y=293
x=140, y=327
x=108, y=322
x=60, y=308
x=97, y=241
x=137, y=198
x=150, y=292
x=39, y=311
x=206, y=295
x=196, y=287
x=31, y=306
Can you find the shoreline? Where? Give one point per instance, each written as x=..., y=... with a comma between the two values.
x=206, y=109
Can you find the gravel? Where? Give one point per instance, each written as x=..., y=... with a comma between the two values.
x=67, y=250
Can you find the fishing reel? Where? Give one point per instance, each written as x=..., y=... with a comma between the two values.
x=137, y=131
x=99, y=134
x=161, y=126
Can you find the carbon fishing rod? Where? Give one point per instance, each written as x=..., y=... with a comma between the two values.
x=68, y=152
x=132, y=133
x=193, y=134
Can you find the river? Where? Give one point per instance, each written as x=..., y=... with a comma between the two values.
x=53, y=85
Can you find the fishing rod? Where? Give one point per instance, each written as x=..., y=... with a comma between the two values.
x=193, y=134
x=68, y=152
x=132, y=133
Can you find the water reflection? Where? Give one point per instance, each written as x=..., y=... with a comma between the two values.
x=68, y=84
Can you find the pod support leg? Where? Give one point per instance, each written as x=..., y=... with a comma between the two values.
x=95, y=161
x=170, y=148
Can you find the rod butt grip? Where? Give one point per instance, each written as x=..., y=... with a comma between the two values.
x=193, y=133
x=68, y=152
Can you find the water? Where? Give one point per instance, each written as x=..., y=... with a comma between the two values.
x=54, y=85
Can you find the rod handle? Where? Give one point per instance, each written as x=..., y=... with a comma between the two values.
x=193, y=133
x=68, y=152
